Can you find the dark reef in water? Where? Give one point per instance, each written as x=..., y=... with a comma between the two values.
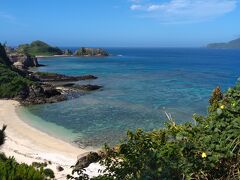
x=48, y=77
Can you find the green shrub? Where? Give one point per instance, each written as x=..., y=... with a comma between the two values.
x=3, y=157
x=3, y=56
x=12, y=83
x=11, y=170
x=48, y=173
x=39, y=165
x=2, y=135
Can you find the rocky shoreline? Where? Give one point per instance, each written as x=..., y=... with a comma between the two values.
x=54, y=88
x=43, y=87
x=27, y=87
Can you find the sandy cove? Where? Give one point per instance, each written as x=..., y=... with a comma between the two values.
x=28, y=144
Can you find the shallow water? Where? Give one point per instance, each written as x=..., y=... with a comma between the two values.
x=139, y=85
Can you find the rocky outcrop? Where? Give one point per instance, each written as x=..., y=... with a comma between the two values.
x=88, y=87
x=86, y=159
x=23, y=61
x=35, y=88
x=53, y=77
x=59, y=168
x=90, y=52
x=67, y=52
x=37, y=94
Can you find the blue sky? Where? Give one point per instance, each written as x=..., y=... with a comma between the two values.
x=120, y=23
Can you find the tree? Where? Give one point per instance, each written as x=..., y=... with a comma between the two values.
x=2, y=135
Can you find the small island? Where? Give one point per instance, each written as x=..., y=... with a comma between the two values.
x=234, y=44
x=25, y=55
x=42, y=49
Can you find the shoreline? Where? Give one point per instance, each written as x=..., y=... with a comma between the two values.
x=28, y=144
x=55, y=56
x=85, y=56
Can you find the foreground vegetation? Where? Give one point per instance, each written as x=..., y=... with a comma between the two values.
x=11, y=170
x=12, y=84
x=209, y=148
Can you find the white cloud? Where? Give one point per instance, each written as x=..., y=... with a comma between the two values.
x=175, y=11
x=135, y=1
x=154, y=7
x=136, y=7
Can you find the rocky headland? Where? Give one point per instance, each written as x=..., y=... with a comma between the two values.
x=19, y=83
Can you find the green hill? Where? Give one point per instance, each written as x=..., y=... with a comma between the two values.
x=232, y=44
x=38, y=48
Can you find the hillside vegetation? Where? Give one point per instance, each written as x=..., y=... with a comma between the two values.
x=3, y=57
x=11, y=170
x=38, y=48
x=13, y=83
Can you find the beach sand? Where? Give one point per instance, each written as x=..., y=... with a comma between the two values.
x=28, y=144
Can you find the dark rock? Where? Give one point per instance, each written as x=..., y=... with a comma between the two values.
x=59, y=168
x=88, y=87
x=37, y=94
x=50, y=91
x=53, y=77
x=86, y=159
x=86, y=77
x=68, y=85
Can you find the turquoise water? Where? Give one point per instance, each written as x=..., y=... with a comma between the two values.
x=139, y=86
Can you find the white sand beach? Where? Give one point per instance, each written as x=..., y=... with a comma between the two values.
x=28, y=144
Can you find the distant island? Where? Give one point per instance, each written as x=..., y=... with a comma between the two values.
x=234, y=44
x=40, y=48
x=25, y=55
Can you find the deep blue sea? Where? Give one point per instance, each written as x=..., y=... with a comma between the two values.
x=139, y=85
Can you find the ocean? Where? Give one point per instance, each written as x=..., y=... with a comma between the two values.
x=139, y=86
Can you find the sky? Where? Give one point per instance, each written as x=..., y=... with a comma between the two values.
x=119, y=23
